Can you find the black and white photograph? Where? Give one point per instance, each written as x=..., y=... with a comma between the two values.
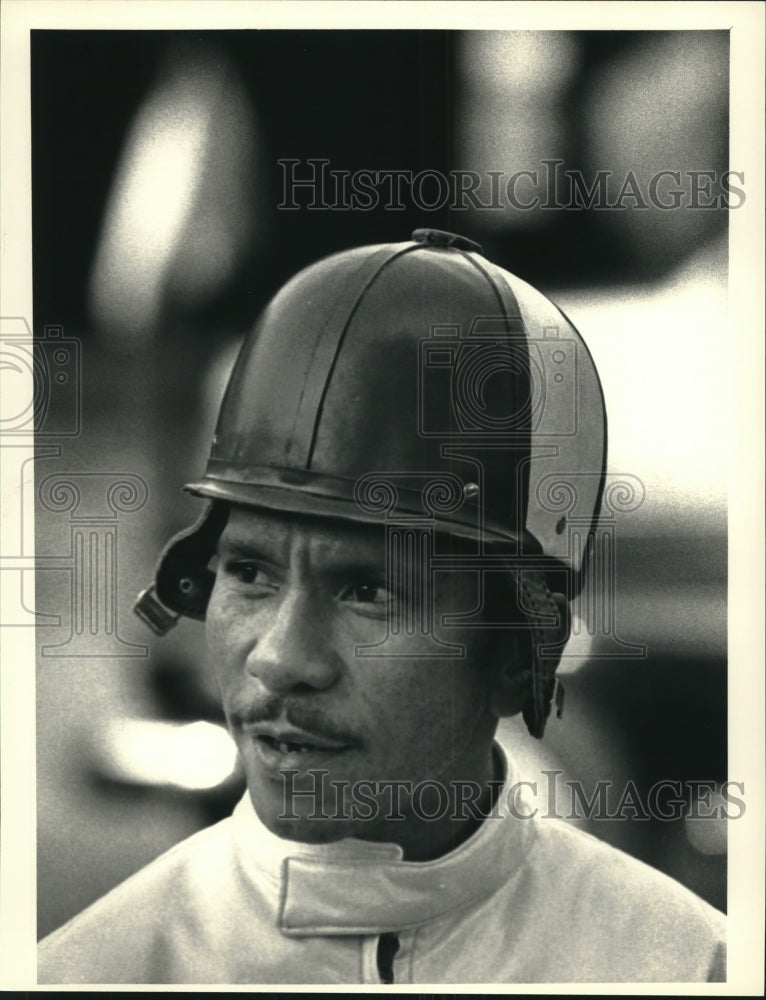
x=382, y=497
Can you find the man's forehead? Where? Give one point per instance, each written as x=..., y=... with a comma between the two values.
x=279, y=533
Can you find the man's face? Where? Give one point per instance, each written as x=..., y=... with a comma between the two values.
x=293, y=600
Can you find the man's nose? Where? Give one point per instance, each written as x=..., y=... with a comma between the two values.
x=293, y=651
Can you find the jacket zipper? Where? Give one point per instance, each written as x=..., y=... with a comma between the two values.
x=388, y=945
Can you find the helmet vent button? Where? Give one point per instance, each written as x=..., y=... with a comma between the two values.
x=186, y=585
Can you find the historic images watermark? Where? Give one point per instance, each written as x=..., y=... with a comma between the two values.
x=667, y=800
x=42, y=385
x=314, y=185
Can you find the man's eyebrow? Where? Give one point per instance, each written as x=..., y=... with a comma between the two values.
x=359, y=567
x=240, y=547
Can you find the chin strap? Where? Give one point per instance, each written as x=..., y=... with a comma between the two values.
x=548, y=636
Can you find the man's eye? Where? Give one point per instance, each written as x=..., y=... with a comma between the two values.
x=249, y=574
x=373, y=595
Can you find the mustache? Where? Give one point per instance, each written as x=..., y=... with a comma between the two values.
x=308, y=718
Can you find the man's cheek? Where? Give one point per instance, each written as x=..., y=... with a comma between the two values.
x=218, y=630
x=221, y=663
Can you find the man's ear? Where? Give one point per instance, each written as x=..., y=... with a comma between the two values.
x=512, y=680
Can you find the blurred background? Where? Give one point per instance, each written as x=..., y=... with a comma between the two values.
x=157, y=237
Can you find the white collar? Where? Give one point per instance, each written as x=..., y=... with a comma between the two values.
x=359, y=887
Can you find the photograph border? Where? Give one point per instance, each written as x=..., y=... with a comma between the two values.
x=745, y=416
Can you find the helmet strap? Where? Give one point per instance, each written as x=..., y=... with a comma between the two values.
x=549, y=626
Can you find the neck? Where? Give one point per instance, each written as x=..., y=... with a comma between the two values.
x=447, y=813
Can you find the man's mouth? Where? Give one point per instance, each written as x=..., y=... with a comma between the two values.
x=294, y=745
x=280, y=744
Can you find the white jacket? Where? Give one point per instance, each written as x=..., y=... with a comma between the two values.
x=521, y=901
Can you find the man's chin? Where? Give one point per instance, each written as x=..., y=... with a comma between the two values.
x=319, y=807
x=303, y=824
x=311, y=831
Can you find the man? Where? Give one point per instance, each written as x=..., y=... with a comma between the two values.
x=407, y=468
